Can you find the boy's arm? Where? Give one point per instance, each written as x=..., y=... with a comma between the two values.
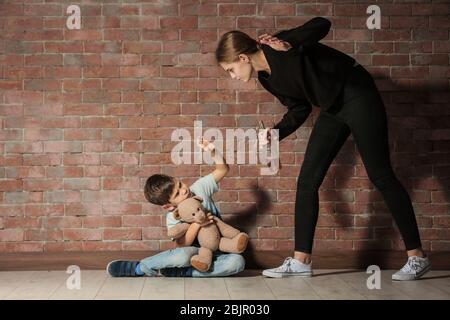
x=177, y=230
x=222, y=167
x=188, y=238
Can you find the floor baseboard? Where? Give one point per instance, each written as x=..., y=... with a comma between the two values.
x=254, y=259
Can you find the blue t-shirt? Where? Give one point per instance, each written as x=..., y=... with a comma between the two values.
x=204, y=187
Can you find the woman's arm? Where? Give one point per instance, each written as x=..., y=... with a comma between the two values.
x=297, y=114
x=310, y=32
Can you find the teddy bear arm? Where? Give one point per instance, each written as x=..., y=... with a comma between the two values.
x=226, y=230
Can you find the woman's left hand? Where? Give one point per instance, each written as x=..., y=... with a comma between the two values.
x=274, y=42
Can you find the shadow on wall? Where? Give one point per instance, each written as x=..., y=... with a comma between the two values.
x=246, y=220
x=419, y=140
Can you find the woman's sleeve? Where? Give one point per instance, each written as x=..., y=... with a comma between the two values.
x=310, y=32
x=298, y=112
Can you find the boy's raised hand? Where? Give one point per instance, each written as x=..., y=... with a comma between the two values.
x=264, y=136
x=205, y=145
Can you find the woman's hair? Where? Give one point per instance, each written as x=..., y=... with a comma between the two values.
x=232, y=44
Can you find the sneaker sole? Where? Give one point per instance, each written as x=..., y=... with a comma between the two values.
x=417, y=276
x=287, y=274
x=107, y=267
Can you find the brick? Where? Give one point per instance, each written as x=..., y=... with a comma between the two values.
x=82, y=184
x=121, y=209
x=83, y=35
x=104, y=171
x=63, y=222
x=44, y=210
x=44, y=59
x=83, y=209
x=120, y=10
x=85, y=134
x=21, y=222
x=114, y=59
x=63, y=246
x=77, y=85
x=62, y=146
x=81, y=159
x=11, y=235
x=139, y=22
x=102, y=195
x=276, y=233
x=122, y=234
x=66, y=172
x=42, y=184
x=105, y=46
x=102, y=222
x=43, y=235
x=23, y=197
x=43, y=10
x=78, y=234
x=154, y=233
x=152, y=245
x=23, y=72
x=121, y=183
x=102, y=246
x=183, y=22
x=9, y=9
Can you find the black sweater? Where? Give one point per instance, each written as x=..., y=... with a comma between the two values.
x=309, y=74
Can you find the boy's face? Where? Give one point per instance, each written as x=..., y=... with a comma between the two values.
x=180, y=192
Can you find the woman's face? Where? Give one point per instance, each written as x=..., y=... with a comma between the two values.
x=240, y=70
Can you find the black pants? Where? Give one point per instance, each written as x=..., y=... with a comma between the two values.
x=359, y=110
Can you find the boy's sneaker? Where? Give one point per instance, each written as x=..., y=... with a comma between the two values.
x=177, y=272
x=414, y=268
x=290, y=267
x=119, y=268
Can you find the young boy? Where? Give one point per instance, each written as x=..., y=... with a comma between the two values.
x=168, y=192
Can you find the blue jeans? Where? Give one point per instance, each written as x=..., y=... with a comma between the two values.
x=224, y=264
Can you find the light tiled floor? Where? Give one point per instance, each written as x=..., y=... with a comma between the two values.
x=326, y=284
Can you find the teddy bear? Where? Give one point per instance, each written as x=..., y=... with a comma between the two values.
x=217, y=235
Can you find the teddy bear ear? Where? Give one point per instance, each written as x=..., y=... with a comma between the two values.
x=198, y=198
x=176, y=214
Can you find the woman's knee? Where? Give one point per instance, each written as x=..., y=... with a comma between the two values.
x=384, y=181
x=308, y=184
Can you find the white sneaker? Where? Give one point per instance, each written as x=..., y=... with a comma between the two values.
x=290, y=267
x=414, y=268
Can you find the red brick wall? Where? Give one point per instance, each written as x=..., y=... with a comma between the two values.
x=86, y=115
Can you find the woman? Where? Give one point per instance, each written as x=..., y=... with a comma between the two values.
x=303, y=73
